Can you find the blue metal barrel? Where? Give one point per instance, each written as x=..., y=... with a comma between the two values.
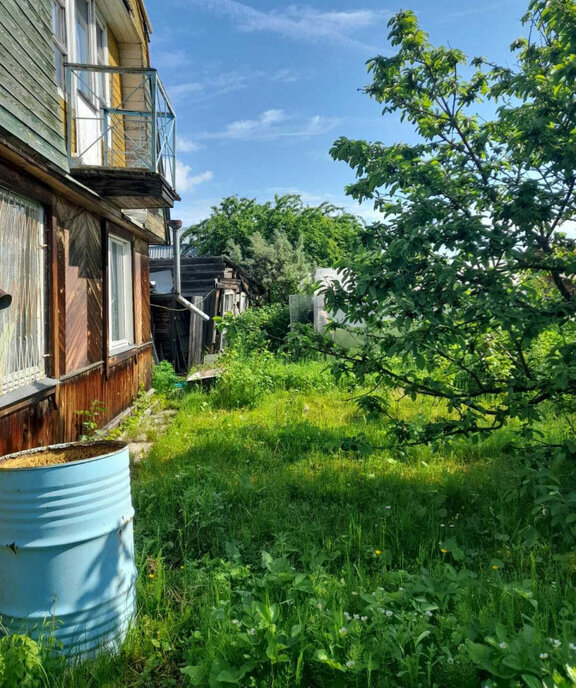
x=67, y=551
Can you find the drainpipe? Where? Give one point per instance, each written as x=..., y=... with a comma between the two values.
x=176, y=226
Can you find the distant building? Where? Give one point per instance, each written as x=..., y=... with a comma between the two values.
x=214, y=284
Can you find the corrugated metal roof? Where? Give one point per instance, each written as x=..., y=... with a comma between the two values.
x=161, y=252
x=167, y=252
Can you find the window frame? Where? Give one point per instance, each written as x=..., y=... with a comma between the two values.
x=116, y=346
x=60, y=43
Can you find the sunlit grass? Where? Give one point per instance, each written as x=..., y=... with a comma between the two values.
x=261, y=534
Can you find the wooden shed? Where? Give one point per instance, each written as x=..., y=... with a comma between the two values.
x=214, y=284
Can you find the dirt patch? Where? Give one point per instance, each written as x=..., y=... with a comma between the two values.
x=37, y=458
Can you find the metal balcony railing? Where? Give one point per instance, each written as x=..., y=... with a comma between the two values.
x=120, y=117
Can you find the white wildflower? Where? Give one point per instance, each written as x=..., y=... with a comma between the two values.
x=343, y=630
x=543, y=655
x=503, y=646
x=350, y=663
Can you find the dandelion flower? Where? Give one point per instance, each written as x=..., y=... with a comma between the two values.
x=443, y=550
x=495, y=567
x=377, y=552
x=151, y=575
x=182, y=568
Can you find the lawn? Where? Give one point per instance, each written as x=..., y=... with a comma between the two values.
x=278, y=547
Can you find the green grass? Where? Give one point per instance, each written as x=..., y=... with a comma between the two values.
x=269, y=555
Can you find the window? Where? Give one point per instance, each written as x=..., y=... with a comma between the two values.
x=120, y=293
x=228, y=302
x=21, y=275
x=84, y=44
x=59, y=37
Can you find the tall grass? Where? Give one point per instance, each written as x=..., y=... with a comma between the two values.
x=277, y=547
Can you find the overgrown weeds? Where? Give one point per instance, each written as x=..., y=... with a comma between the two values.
x=276, y=547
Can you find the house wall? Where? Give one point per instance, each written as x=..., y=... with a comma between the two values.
x=76, y=324
x=56, y=419
x=29, y=106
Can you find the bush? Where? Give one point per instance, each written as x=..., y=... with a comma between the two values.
x=164, y=378
x=246, y=379
x=262, y=329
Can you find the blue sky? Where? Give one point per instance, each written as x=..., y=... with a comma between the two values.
x=262, y=88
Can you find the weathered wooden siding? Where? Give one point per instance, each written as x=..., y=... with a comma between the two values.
x=80, y=237
x=29, y=105
x=56, y=419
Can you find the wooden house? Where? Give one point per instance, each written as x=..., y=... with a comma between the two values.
x=214, y=284
x=87, y=167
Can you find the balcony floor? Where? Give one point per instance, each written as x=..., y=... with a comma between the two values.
x=126, y=187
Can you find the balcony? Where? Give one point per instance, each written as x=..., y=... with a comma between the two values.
x=121, y=134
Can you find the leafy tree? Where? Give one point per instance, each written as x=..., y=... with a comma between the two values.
x=467, y=285
x=324, y=232
x=278, y=265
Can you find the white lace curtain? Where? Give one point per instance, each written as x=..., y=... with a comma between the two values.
x=21, y=275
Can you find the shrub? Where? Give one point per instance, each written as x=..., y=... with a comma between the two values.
x=246, y=379
x=164, y=378
x=264, y=328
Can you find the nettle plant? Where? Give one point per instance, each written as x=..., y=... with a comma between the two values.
x=466, y=287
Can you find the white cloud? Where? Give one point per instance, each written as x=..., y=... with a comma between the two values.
x=186, y=145
x=186, y=180
x=171, y=59
x=272, y=124
x=210, y=85
x=185, y=89
x=302, y=23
